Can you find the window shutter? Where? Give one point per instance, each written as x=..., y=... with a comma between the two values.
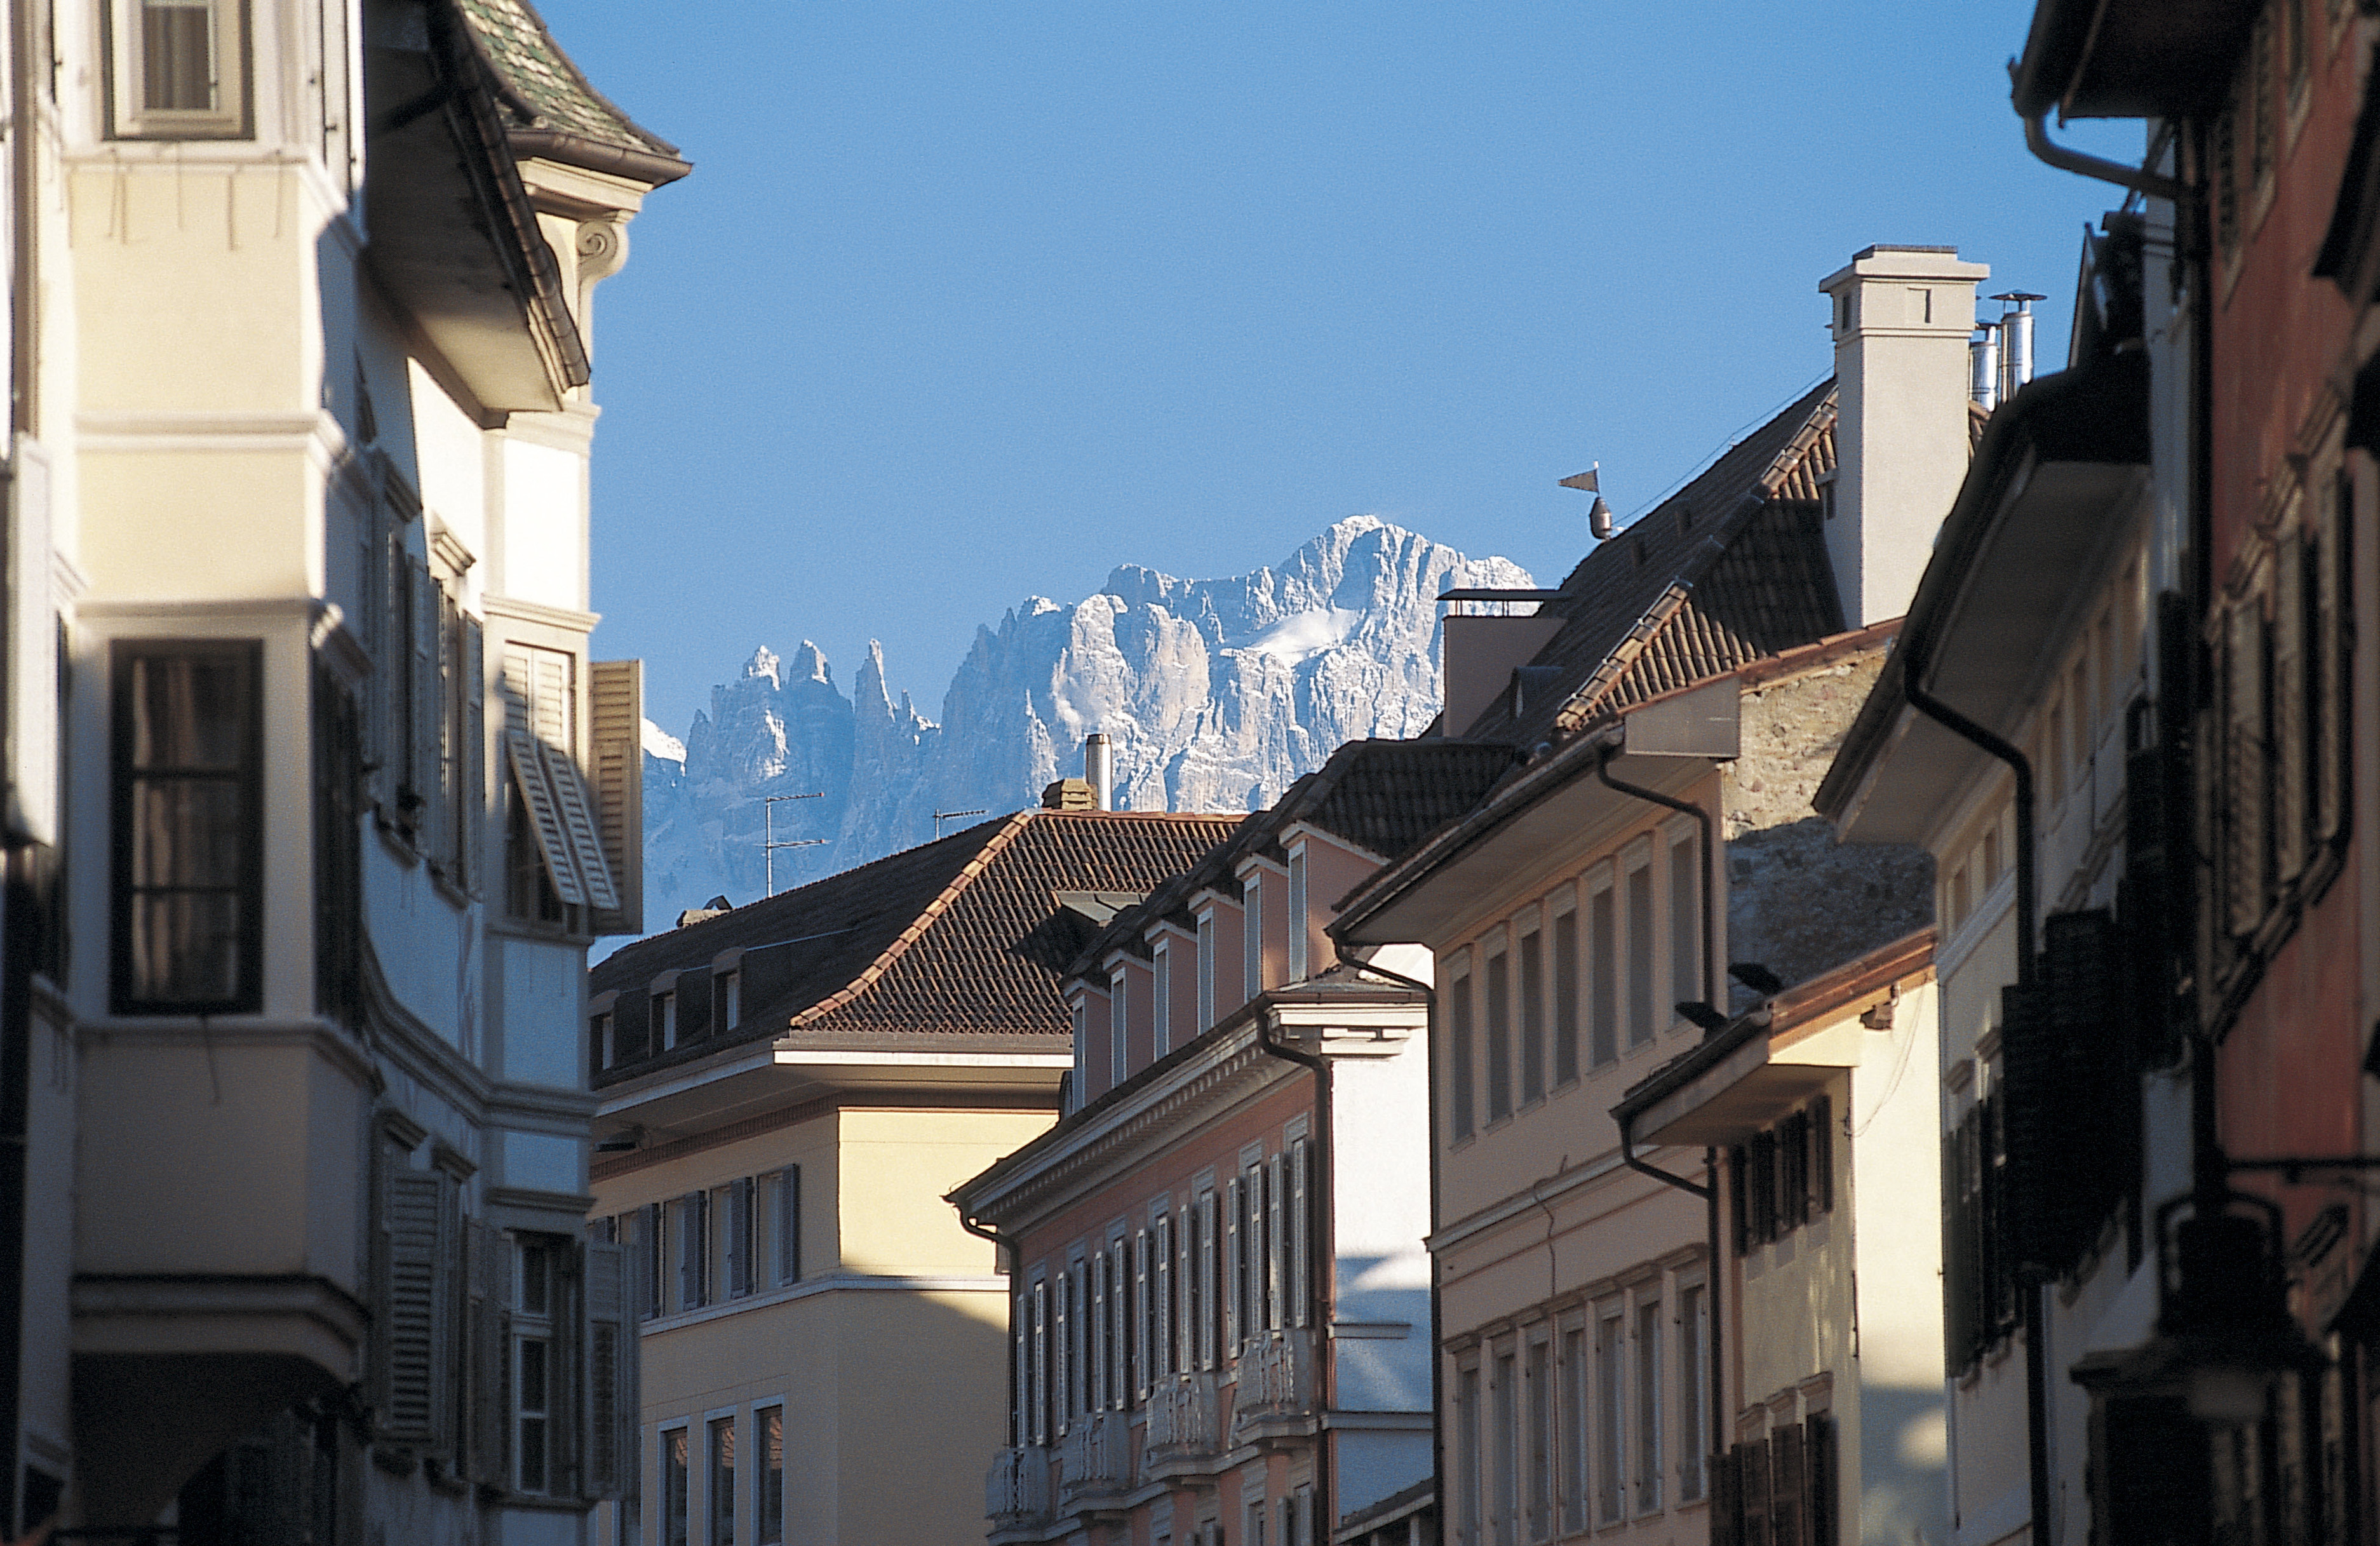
x=616, y=699
x=693, y=1249
x=1822, y=1157
x=2241, y=795
x=1726, y=1505
x=578, y=813
x=1161, y=1316
x=1958, y=1255
x=1210, y=1288
x=1302, y=1232
x=1277, y=1216
x=610, y=1358
x=1739, y=1213
x=1139, y=1373
x=1752, y=1467
x=740, y=1276
x=1095, y=1368
x=413, y=1233
x=492, y=1287
x=789, y=1225
x=529, y=779
x=1786, y=1482
x=1235, y=1268
x=1823, y=1521
x=2333, y=705
x=2289, y=711
x=473, y=754
x=654, y=1255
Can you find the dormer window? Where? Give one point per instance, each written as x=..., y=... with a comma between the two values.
x=178, y=70
x=666, y=1021
x=606, y=1048
x=1297, y=914
x=730, y=1000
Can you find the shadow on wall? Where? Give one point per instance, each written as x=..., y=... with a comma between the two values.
x=1799, y=902
x=1904, y=1455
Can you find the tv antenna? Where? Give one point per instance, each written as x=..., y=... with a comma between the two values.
x=941, y=816
x=769, y=844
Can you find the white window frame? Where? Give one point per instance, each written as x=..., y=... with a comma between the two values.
x=1160, y=968
x=1205, y=969
x=1296, y=919
x=231, y=51
x=1639, y=974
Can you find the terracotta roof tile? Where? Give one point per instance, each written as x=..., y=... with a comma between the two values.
x=1731, y=567
x=962, y=937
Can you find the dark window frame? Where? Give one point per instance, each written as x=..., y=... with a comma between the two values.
x=124, y=655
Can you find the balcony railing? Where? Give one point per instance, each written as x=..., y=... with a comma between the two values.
x=1095, y=1463
x=1016, y=1491
x=1183, y=1431
x=1276, y=1380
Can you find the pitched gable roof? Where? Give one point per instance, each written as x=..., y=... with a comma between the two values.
x=963, y=937
x=555, y=110
x=1731, y=567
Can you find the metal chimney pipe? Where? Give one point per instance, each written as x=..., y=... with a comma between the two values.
x=1098, y=771
x=2016, y=340
x=1984, y=367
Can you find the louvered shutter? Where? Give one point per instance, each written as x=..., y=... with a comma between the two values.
x=1208, y=1266
x=420, y=687
x=2242, y=803
x=789, y=1225
x=1302, y=1232
x=1787, y=1480
x=1822, y=1157
x=1751, y=1470
x=413, y=1234
x=1144, y=1344
x=472, y=752
x=2289, y=711
x=1825, y=1518
x=1276, y=1217
x=611, y=1354
x=577, y=813
x=490, y=1372
x=693, y=1246
x=654, y=1252
x=529, y=779
x=1095, y=1320
x=739, y=1236
x=1726, y=1500
x=1235, y=1266
x=616, y=742
x=1161, y=1300
x=2334, y=706
x=1958, y=1254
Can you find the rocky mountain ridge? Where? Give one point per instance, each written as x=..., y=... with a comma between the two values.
x=1215, y=694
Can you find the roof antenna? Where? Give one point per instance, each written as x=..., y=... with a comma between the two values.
x=1598, y=515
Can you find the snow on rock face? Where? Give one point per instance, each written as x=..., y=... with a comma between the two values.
x=1215, y=695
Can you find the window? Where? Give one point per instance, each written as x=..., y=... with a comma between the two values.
x=692, y=1228
x=785, y=1217
x=651, y=1230
x=1538, y=1390
x=1640, y=948
x=606, y=1050
x=1164, y=1349
x=1119, y=990
x=1458, y=1055
x=1575, y=1378
x=1236, y=1245
x=676, y=1488
x=1140, y=1342
x=1693, y=1390
x=189, y=820
x=1648, y=1405
x=1565, y=996
x=535, y=1378
x=1603, y=976
x=1504, y=1494
x=1036, y=1365
x=1687, y=918
x=1297, y=921
x=1783, y=1177
x=179, y=69
x=1466, y=1454
x=1301, y=1228
x=556, y=863
x=1252, y=936
x=1611, y=1452
x=664, y=1013
x=1161, y=960
x=1499, y=1032
x=1206, y=1303
x=1062, y=1348
x=729, y=997
x=1207, y=970
x=768, y=1423
x=720, y=1450
x=736, y=1265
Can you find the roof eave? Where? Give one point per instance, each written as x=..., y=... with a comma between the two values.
x=2129, y=58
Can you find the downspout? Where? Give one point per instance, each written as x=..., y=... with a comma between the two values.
x=1437, y=1324
x=2036, y=1322
x=1708, y=1192
x=1016, y=1417
x=1323, y=1178
x=2140, y=179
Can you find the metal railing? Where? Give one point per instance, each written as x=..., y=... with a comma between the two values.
x=1182, y=1421
x=1095, y=1459
x=1276, y=1377
x=1016, y=1489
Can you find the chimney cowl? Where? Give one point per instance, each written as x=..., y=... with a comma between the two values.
x=1098, y=771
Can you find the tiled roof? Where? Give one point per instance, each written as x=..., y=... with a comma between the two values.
x=549, y=88
x=1383, y=796
x=1731, y=567
x=965, y=936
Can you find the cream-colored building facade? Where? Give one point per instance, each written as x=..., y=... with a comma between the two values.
x=788, y=1090
x=334, y=798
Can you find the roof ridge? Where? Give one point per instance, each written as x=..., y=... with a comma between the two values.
x=1621, y=656
x=874, y=971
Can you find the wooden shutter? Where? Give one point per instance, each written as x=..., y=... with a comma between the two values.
x=653, y=1253
x=2289, y=710
x=1143, y=1346
x=615, y=738
x=1739, y=1209
x=1095, y=1368
x=1822, y=1156
x=1959, y=1286
x=1235, y=1266
x=420, y=687
x=789, y=1225
x=2330, y=625
x=1277, y=1224
x=572, y=803
x=1751, y=1470
x=473, y=754
x=740, y=1276
x=490, y=1372
x=1726, y=1502
x=1824, y=1513
x=413, y=1243
x=1208, y=1266
x=2240, y=792
x=693, y=1250
x=611, y=1357
x=1302, y=1232
x=530, y=781
x=1161, y=1315
x=1788, y=1479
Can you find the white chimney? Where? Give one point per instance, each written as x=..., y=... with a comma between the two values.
x=1098, y=771
x=1902, y=318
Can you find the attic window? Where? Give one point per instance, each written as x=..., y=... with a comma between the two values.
x=178, y=70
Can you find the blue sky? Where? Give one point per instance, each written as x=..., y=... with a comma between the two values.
x=968, y=302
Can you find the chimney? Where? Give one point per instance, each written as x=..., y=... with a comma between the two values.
x=1098, y=772
x=1903, y=319
x=1984, y=367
